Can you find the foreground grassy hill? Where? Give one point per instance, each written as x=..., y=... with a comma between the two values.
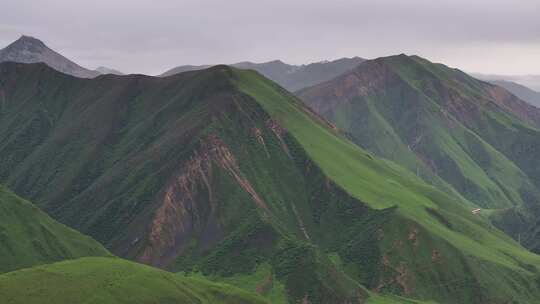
x=113, y=281
x=223, y=173
x=455, y=132
x=29, y=237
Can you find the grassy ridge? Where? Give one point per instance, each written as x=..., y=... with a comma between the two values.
x=30, y=237
x=112, y=281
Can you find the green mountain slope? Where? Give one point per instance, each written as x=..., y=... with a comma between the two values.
x=112, y=281
x=420, y=207
x=455, y=132
x=29, y=237
x=223, y=173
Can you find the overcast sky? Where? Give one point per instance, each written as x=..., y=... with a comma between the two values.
x=487, y=36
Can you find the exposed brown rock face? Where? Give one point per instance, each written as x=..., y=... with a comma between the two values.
x=181, y=212
x=435, y=256
x=413, y=236
x=279, y=132
x=403, y=279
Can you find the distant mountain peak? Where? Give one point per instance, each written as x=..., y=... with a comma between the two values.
x=25, y=44
x=291, y=77
x=28, y=49
x=29, y=39
x=105, y=70
x=277, y=61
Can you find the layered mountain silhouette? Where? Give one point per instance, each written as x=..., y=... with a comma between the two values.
x=28, y=49
x=530, y=81
x=291, y=77
x=223, y=173
x=522, y=92
x=104, y=71
x=455, y=132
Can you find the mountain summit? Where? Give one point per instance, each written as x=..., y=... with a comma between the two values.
x=32, y=50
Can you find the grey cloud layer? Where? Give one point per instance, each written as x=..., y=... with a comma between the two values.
x=150, y=36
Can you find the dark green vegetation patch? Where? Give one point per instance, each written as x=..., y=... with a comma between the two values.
x=29, y=237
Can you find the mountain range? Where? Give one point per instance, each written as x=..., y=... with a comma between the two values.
x=224, y=173
x=104, y=71
x=404, y=181
x=291, y=77
x=530, y=81
x=522, y=92
x=457, y=133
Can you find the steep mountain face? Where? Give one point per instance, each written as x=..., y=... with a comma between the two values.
x=29, y=237
x=105, y=71
x=291, y=77
x=522, y=92
x=113, y=281
x=223, y=173
x=449, y=128
x=31, y=50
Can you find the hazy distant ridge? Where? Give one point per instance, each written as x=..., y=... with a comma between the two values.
x=291, y=77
